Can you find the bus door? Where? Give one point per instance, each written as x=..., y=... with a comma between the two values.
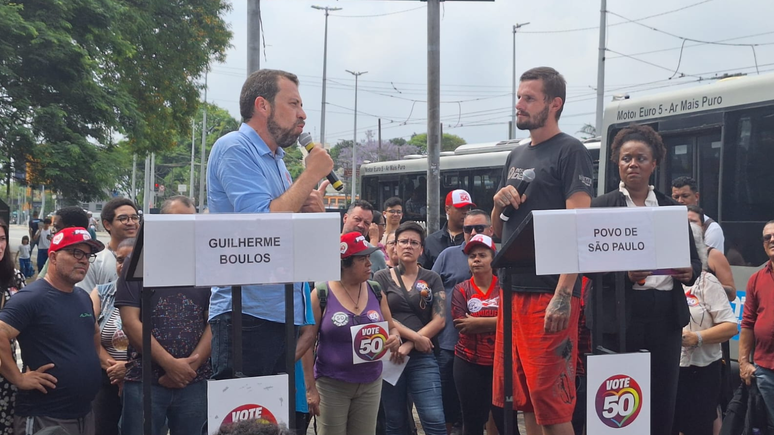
x=695, y=155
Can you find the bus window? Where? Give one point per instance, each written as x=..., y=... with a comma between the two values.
x=709, y=147
x=680, y=158
x=747, y=177
x=484, y=187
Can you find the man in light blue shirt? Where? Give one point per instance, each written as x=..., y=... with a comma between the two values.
x=246, y=174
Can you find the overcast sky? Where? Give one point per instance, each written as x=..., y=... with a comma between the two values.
x=388, y=38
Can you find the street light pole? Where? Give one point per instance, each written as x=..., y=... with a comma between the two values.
x=513, y=93
x=193, y=151
x=354, y=139
x=325, y=70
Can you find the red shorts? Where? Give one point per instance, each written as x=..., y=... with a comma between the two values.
x=543, y=363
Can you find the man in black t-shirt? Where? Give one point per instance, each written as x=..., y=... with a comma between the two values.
x=180, y=343
x=545, y=308
x=55, y=325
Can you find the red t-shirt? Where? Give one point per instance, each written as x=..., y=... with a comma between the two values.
x=758, y=315
x=468, y=299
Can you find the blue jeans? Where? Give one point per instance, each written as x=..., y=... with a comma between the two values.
x=42, y=258
x=26, y=267
x=422, y=380
x=184, y=410
x=765, y=380
x=451, y=401
x=263, y=347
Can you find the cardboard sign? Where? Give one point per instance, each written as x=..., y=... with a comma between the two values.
x=242, y=248
x=368, y=342
x=611, y=239
x=259, y=398
x=618, y=396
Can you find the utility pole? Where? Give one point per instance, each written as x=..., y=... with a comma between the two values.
x=253, y=39
x=601, y=67
x=354, y=139
x=433, y=115
x=325, y=71
x=193, y=150
x=513, y=93
x=379, y=149
x=152, y=182
x=134, y=177
x=203, y=151
x=146, y=189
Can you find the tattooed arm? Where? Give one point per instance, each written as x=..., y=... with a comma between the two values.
x=439, y=308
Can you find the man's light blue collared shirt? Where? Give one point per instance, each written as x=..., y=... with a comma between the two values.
x=244, y=176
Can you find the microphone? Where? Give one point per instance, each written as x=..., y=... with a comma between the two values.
x=306, y=141
x=527, y=177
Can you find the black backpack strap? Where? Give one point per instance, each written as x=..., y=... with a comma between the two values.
x=322, y=293
x=376, y=288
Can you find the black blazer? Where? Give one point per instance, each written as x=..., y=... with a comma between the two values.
x=680, y=306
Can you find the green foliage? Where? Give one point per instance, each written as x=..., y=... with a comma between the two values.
x=74, y=72
x=449, y=142
x=294, y=161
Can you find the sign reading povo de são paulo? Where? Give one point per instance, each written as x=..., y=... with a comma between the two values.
x=618, y=394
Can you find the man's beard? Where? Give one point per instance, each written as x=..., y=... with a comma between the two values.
x=283, y=137
x=533, y=124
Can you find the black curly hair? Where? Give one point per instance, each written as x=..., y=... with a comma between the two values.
x=641, y=133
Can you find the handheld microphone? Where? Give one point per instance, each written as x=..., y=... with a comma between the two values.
x=306, y=141
x=527, y=177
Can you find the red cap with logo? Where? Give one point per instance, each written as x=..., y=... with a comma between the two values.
x=479, y=240
x=459, y=198
x=74, y=236
x=354, y=245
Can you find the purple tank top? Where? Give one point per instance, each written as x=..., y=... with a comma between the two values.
x=334, y=348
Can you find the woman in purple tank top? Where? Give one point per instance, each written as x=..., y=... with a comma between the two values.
x=354, y=331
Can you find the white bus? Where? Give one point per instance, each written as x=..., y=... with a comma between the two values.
x=476, y=168
x=722, y=135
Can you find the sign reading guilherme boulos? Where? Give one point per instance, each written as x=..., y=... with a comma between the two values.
x=249, y=251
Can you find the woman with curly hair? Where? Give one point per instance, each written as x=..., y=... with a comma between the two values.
x=656, y=307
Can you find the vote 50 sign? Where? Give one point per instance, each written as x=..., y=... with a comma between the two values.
x=618, y=394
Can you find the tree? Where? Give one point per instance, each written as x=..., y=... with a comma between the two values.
x=74, y=72
x=367, y=150
x=449, y=142
x=588, y=131
x=173, y=44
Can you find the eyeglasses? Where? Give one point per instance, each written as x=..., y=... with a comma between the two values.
x=479, y=228
x=391, y=243
x=395, y=211
x=120, y=260
x=126, y=218
x=767, y=237
x=79, y=254
x=407, y=242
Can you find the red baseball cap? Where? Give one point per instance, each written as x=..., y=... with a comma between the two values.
x=354, y=245
x=479, y=240
x=459, y=198
x=74, y=236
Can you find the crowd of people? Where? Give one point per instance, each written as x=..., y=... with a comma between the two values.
x=80, y=330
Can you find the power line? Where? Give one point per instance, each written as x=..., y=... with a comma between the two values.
x=378, y=15
x=581, y=29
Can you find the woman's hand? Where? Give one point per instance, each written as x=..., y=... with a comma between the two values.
x=683, y=274
x=393, y=343
x=400, y=356
x=638, y=276
x=690, y=339
x=423, y=344
x=313, y=399
x=116, y=372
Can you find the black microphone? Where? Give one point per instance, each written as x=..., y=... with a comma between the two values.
x=527, y=177
x=306, y=141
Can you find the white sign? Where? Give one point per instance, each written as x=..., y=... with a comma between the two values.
x=611, y=239
x=177, y=252
x=368, y=342
x=623, y=238
x=247, y=246
x=260, y=398
x=182, y=188
x=618, y=397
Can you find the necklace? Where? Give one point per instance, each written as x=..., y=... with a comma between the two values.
x=359, y=290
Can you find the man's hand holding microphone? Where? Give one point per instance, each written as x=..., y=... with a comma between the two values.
x=320, y=163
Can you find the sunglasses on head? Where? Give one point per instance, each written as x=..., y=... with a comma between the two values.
x=479, y=228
